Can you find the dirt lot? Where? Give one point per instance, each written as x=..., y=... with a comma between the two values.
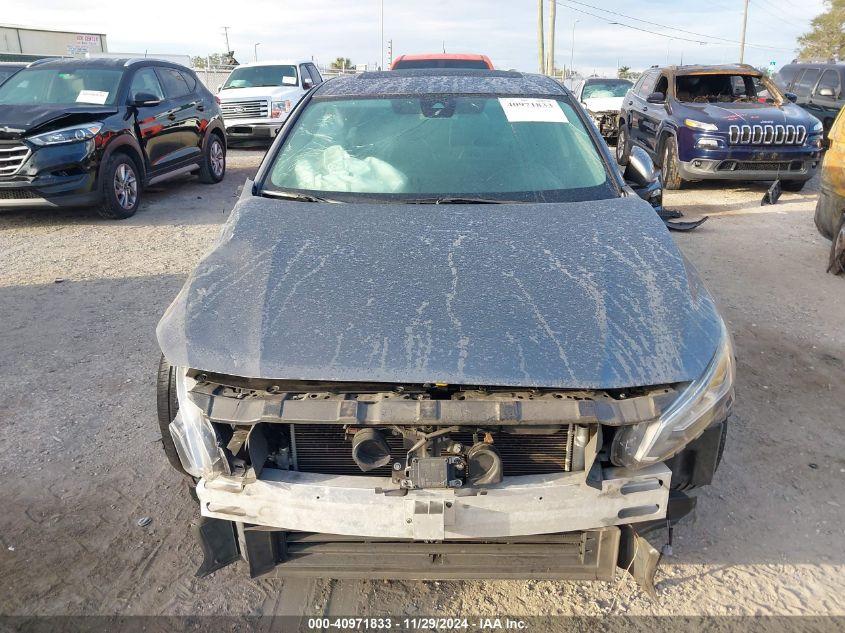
x=81, y=462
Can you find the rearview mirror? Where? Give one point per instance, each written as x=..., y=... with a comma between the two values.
x=640, y=170
x=656, y=97
x=791, y=96
x=145, y=99
x=825, y=92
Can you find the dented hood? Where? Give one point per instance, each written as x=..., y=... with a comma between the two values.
x=575, y=295
x=17, y=121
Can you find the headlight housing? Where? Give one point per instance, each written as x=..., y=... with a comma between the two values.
x=280, y=109
x=702, y=403
x=700, y=125
x=68, y=135
x=194, y=437
x=817, y=126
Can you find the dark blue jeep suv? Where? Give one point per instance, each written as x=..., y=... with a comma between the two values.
x=725, y=122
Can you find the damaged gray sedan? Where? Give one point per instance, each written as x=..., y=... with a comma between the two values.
x=440, y=337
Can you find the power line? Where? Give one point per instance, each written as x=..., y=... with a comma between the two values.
x=568, y=4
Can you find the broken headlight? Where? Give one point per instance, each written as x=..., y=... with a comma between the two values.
x=195, y=439
x=703, y=402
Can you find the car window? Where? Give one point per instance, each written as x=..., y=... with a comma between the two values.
x=315, y=74
x=830, y=79
x=261, y=76
x=806, y=82
x=647, y=85
x=145, y=80
x=605, y=88
x=787, y=74
x=62, y=86
x=719, y=88
x=433, y=146
x=662, y=85
x=174, y=83
x=189, y=79
x=415, y=64
x=306, y=74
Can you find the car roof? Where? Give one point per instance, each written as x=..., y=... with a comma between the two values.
x=115, y=63
x=276, y=62
x=441, y=81
x=717, y=69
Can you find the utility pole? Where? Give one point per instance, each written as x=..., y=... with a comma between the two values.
x=389, y=53
x=226, y=35
x=550, y=63
x=541, y=54
x=572, y=51
x=742, y=39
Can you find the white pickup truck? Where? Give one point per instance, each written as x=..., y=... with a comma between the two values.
x=257, y=98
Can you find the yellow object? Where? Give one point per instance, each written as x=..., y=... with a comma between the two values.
x=833, y=167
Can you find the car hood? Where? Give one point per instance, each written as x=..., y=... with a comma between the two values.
x=17, y=121
x=576, y=295
x=747, y=113
x=604, y=104
x=261, y=92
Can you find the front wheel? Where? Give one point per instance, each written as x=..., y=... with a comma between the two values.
x=623, y=146
x=120, y=187
x=669, y=169
x=213, y=166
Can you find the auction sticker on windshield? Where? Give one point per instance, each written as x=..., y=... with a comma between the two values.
x=92, y=96
x=522, y=110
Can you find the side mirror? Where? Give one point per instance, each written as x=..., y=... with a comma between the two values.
x=640, y=171
x=826, y=92
x=656, y=97
x=145, y=99
x=307, y=84
x=219, y=87
x=791, y=96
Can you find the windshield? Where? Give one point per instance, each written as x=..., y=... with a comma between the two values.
x=725, y=88
x=5, y=73
x=515, y=149
x=56, y=86
x=412, y=64
x=257, y=76
x=605, y=88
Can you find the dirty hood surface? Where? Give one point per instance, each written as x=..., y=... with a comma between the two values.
x=575, y=295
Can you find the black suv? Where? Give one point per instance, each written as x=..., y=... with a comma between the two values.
x=818, y=88
x=95, y=132
x=725, y=122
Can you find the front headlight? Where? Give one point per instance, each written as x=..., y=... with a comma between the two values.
x=700, y=125
x=280, y=108
x=704, y=402
x=817, y=126
x=68, y=135
x=194, y=437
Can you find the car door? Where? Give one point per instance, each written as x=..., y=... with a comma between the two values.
x=637, y=106
x=652, y=115
x=824, y=106
x=804, y=84
x=150, y=120
x=180, y=136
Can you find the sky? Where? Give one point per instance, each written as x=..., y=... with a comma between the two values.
x=506, y=30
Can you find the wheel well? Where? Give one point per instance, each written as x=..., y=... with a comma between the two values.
x=661, y=142
x=220, y=134
x=130, y=151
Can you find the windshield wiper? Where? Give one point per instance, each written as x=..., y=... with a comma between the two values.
x=458, y=200
x=293, y=195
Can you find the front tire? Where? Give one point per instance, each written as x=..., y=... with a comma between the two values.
x=669, y=169
x=213, y=167
x=623, y=145
x=120, y=187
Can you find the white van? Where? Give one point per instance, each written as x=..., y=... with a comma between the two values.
x=257, y=98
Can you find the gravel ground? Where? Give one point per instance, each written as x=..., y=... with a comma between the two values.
x=81, y=461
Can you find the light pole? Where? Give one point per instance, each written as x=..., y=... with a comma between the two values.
x=572, y=50
x=255, y=49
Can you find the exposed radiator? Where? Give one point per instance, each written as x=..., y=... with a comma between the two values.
x=323, y=448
